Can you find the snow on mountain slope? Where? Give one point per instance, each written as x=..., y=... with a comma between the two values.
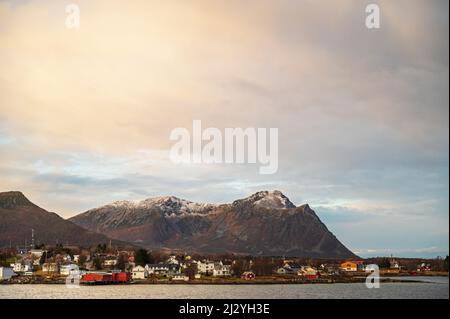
x=170, y=205
x=267, y=199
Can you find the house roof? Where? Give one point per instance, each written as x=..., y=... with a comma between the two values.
x=138, y=268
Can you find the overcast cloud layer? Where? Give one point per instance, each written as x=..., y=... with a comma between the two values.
x=85, y=115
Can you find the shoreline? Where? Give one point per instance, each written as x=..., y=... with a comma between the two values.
x=350, y=280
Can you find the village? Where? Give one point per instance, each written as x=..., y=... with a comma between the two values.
x=105, y=265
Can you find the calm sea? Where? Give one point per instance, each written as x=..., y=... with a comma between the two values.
x=432, y=287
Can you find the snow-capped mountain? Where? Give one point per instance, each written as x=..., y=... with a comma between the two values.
x=266, y=199
x=265, y=223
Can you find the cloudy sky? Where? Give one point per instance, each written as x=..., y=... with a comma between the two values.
x=86, y=114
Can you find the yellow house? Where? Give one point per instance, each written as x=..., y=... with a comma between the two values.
x=349, y=266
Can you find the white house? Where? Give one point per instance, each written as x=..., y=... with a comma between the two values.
x=109, y=262
x=66, y=270
x=50, y=267
x=37, y=253
x=173, y=260
x=6, y=273
x=221, y=270
x=138, y=272
x=394, y=264
x=19, y=267
x=206, y=267
x=162, y=269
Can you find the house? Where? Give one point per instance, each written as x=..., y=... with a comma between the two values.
x=349, y=266
x=393, y=264
x=97, y=277
x=16, y=267
x=66, y=258
x=110, y=261
x=20, y=267
x=37, y=252
x=50, y=267
x=291, y=264
x=206, y=267
x=138, y=272
x=66, y=270
x=162, y=269
x=221, y=270
x=248, y=275
x=288, y=269
x=36, y=255
x=307, y=271
x=329, y=269
x=22, y=251
x=6, y=273
x=172, y=260
x=423, y=267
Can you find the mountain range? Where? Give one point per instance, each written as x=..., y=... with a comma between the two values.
x=266, y=223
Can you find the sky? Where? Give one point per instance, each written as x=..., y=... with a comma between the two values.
x=362, y=114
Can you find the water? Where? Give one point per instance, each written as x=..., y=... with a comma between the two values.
x=435, y=287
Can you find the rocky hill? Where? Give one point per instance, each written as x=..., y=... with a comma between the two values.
x=18, y=216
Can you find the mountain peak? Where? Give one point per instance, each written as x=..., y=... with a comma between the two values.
x=267, y=199
x=13, y=199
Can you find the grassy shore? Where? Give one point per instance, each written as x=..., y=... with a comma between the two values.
x=262, y=280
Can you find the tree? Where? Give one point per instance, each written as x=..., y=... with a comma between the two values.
x=101, y=248
x=121, y=262
x=142, y=257
x=191, y=271
x=384, y=263
x=82, y=260
x=43, y=258
x=238, y=267
x=97, y=263
x=263, y=267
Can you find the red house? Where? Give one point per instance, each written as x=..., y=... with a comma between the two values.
x=121, y=277
x=248, y=275
x=312, y=276
x=97, y=277
x=106, y=277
